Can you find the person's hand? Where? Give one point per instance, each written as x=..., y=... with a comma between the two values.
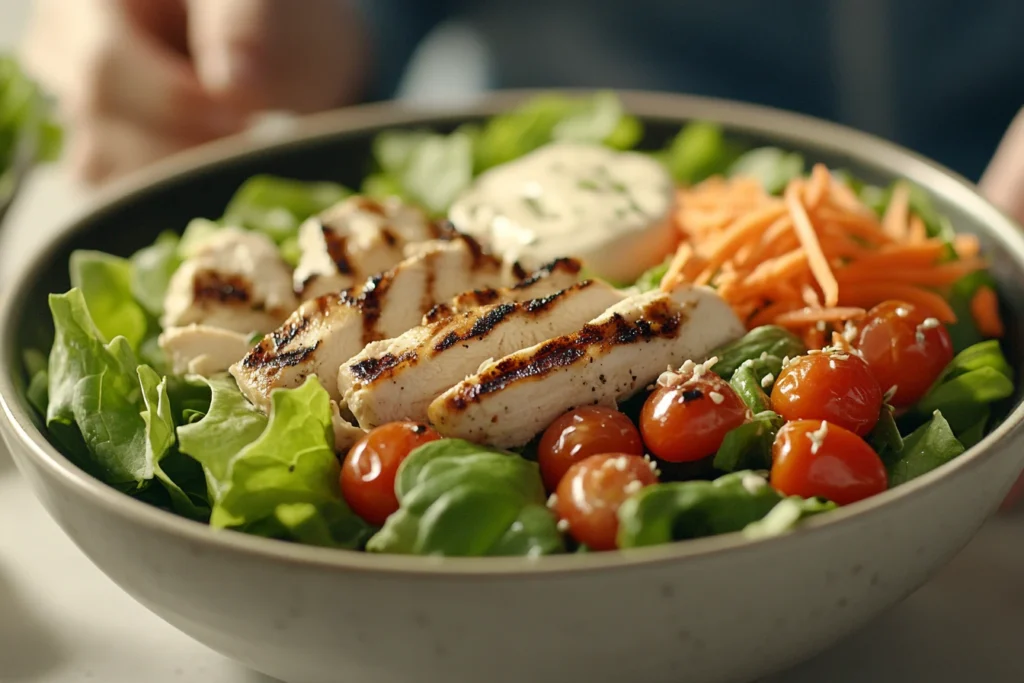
x=1003, y=185
x=136, y=80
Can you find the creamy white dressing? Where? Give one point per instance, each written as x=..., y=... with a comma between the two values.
x=610, y=209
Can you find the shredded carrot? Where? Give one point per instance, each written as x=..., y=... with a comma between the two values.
x=868, y=294
x=810, y=316
x=985, y=311
x=966, y=245
x=898, y=212
x=815, y=258
x=818, y=256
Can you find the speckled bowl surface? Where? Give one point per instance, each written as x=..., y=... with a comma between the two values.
x=714, y=610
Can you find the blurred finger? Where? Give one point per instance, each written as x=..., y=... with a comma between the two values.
x=100, y=150
x=1003, y=182
x=263, y=54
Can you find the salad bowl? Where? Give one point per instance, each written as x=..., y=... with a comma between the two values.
x=722, y=609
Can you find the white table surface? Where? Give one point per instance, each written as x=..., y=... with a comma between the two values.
x=62, y=621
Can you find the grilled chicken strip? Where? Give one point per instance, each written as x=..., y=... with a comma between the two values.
x=512, y=399
x=357, y=238
x=325, y=332
x=397, y=379
x=203, y=350
x=236, y=280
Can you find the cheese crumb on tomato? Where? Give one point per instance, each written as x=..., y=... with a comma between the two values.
x=611, y=209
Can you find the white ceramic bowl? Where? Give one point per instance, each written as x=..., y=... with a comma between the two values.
x=707, y=611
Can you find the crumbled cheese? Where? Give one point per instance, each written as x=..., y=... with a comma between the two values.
x=563, y=525
x=633, y=486
x=552, y=500
x=820, y=326
x=752, y=482
x=767, y=380
x=716, y=398
x=929, y=323
x=817, y=437
x=813, y=352
x=890, y=392
x=902, y=312
x=653, y=465
x=850, y=332
x=839, y=355
x=786, y=361
x=620, y=463
x=832, y=363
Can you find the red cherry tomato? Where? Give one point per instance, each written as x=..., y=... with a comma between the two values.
x=688, y=421
x=904, y=349
x=368, y=473
x=583, y=432
x=590, y=493
x=817, y=458
x=833, y=386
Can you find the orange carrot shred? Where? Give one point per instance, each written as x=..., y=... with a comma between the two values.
x=818, y=187
x=809, y=239
x=918, y=232
x=810, y=316
x=896, y=214
x=985, y=311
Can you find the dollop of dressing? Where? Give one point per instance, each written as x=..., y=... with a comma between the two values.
x=611, y=209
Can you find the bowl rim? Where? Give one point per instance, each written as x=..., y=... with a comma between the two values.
x=782, y=126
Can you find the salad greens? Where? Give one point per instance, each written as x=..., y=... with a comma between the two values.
x=460, y=498
x=197, y=446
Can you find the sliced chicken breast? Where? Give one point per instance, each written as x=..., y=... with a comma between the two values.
x=235, y=280
x=623, y=350
x=553, y=277
x=397, y=379
x=357, y=238
x=327, y=331
x=203, y=350
x=346, y=434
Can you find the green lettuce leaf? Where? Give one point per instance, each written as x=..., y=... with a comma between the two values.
x=106, y=285
x=228, y=424
x=767, y=339
x=749, y=446
x=929, y=446
x=677, y=511
x=885, y=438
x=651, y=278
x=964, y=332
x=277, y=206
x=773, y=167
x=151, y=271
x=196, y=232
x=699, y=151
x=289, y=472
x=439, y=168
x=461, y=499
x=94, y=396
x=179, y=474
x=786, y=515
x=977, y=377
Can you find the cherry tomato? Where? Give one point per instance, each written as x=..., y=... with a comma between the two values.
x=687, y=421
x=368, y=473
x=582, y=432
x=818, y=458
x=833, y=386
x=904, y=349
x=590, y=493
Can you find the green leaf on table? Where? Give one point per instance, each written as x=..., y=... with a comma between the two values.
x=289, y=469
x=105, y=282
x=151, y=271
x=929, y=446
x=677, y=511
x=771, y=166
x=277, y=206
x=460, y=499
